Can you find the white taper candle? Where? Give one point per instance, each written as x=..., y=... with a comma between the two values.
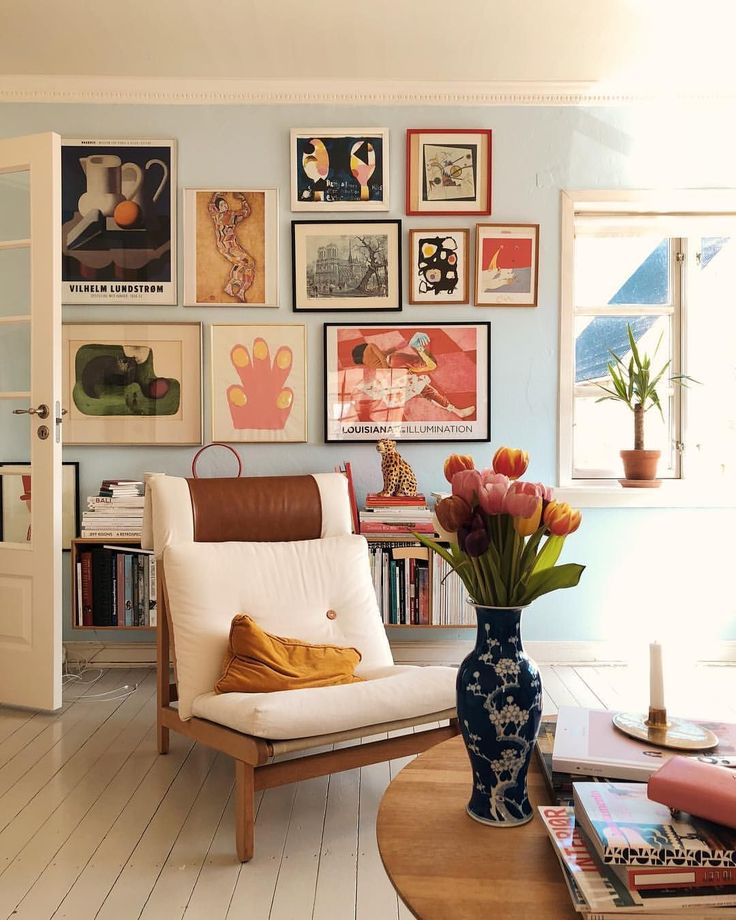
x=656, y=679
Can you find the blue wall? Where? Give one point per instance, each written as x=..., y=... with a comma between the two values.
x=646, y=568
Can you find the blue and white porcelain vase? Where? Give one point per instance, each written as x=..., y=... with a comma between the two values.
x=499, y=707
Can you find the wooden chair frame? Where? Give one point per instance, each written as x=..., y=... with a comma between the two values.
x=251, y=754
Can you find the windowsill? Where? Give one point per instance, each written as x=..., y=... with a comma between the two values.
x=671, y=494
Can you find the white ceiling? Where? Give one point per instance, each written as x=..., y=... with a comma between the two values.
x=662, y=45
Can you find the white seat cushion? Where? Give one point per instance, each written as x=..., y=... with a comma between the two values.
x=287, y=588
x=388, y=694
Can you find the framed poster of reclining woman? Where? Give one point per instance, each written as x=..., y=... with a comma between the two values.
x=407, y=381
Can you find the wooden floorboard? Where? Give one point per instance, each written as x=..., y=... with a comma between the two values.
x=95, y=824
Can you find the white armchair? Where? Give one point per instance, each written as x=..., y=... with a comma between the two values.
x=281, y=550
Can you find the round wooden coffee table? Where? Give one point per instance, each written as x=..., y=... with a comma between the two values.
x=445, y=866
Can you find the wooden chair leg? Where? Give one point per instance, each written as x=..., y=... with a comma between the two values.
x=244, y=810
x=163, y=738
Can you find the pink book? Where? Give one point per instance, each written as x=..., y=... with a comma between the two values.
x=701, y=789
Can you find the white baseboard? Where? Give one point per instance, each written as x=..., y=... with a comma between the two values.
x=143, y=654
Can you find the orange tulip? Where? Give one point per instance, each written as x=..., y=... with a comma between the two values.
x=455, y=463
x=510, y=461
x=560, y=519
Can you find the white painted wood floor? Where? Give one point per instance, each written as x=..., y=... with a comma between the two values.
x=93, y=823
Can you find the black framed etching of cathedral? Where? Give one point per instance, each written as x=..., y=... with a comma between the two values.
x=346, y=265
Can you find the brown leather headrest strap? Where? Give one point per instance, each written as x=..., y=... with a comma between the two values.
x=256, y=509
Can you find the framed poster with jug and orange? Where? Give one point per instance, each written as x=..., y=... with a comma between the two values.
x=118, y=221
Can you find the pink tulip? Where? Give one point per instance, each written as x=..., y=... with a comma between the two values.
x=493, y=491
x=466, y=484
x=521, y=499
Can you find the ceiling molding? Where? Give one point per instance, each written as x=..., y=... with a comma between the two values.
x=200, y=91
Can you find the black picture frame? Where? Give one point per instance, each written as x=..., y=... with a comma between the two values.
x=71, y=518
x=347, y=281
x=379, y=411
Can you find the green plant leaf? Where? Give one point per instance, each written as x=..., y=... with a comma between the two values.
x=549, y=554
x=559, y=576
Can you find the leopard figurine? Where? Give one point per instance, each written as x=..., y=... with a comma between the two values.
x=398, y=476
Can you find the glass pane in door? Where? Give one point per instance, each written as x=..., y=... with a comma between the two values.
x=15, y=357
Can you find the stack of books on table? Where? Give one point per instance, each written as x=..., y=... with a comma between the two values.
x=116, y=511
x=395, y=514
x=623, y=854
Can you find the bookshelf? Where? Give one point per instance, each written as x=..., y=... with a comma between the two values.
x=139, y=585
x=440, y=606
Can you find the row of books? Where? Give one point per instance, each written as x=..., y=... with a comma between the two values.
x=116, y=586
x=116, y=511
x=402, y=572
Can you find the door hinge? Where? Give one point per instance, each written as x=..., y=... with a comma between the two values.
x=679, y=257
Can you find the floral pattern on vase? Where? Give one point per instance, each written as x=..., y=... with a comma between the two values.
x=499, y=706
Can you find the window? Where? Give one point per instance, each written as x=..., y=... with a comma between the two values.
x=666, y=265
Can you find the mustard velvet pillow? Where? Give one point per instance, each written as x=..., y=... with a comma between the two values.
x=258, y=662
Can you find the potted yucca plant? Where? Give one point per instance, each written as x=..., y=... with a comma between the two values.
x=635, y=384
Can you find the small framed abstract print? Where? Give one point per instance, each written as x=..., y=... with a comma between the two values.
x=346, y=264
x=132, y=383
x=339, y=169
x=259, y=383
x=407, y=381
x=448, y=171
x=438, y=266
x=232, y=247
x=506, y=257
x=16, y=490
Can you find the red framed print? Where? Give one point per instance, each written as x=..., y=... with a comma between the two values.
x=407, y=381
x=438, y=266
x=448, y=171
x=506, y=259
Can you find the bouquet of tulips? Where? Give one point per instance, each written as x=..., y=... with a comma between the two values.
x=505, y=536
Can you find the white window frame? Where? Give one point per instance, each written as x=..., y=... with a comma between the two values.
x=706, y=208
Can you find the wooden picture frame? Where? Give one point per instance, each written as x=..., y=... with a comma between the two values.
x=16, y=489
x=258, y=377
x=231, y=244
x=506, y=265
x=346, y=265
x=438, y=266
x=339, y=169
x=132, y=383
x=118, y=213
x=407, y=381
x=448, y=171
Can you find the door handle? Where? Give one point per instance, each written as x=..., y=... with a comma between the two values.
x=42, y=411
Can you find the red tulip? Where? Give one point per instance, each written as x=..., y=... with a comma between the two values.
x=466, y=484
x=452, y=513
x=457, y=462
x=560, y=519
x=510, y=461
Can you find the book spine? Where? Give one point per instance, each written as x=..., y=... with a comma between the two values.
x=152, y=588
x=120, y=588
x=85, y=559
x=380, y=527
x=676, y=877
x=140, y=607
x=401, y=590
x=102, y=593
x=128, y=589
x=110, y=534
x=78, y=613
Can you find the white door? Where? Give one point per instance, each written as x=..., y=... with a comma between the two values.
x=30, y=437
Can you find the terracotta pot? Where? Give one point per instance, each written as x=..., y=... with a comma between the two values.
x=640, y=464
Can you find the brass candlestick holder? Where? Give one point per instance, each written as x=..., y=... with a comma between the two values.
x=657, y=728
